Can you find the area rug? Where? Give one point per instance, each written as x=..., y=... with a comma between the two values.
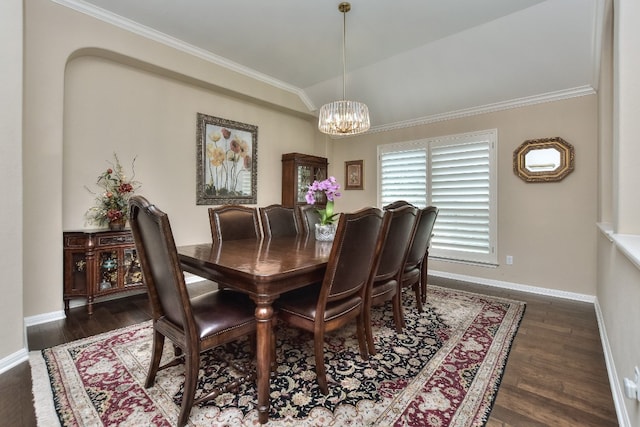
x=443, y=370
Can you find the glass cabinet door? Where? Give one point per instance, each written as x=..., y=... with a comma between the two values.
x=305, y=178
x=306, y=175
x=132, y=270
x=107, y=270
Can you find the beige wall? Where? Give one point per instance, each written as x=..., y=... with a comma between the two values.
x=110, y=106
x=11, y=336
x=548, y=228
x=92, y=88
x=618, y=290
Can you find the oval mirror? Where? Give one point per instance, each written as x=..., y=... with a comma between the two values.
x=543, y=160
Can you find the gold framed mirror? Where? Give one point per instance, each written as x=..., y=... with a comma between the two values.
x=543, y=160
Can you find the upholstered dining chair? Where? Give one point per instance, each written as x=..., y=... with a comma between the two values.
x=278, y=221
x=192, y=324
x=396, y=204
x=234, y=222
x=339, y=298
x=384, y=283
x=308, y=217
x=414, y=274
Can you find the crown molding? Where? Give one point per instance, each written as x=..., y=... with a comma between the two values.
x=489, y=108
x=149, y=33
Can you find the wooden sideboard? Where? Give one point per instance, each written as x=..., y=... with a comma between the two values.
x=98, y=263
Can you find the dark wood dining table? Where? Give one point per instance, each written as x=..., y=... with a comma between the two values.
x=264, y=269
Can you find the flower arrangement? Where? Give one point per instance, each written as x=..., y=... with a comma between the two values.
x=330, y=188
x=112, y=203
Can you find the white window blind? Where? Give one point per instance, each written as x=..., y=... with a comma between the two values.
x=405, y=177
x=457, y=174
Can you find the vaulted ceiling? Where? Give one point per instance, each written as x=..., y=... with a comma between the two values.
x=410, y=61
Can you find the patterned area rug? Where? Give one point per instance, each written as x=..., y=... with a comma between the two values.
x=444, y=370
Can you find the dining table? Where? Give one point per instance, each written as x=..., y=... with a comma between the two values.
x=264, y=269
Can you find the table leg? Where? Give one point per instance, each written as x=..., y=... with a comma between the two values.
x=264, y=315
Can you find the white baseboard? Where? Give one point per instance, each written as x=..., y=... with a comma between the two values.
x=43, y=318
x=616, y=389
x=13, y=360
x=516, y=287
x=81, y=302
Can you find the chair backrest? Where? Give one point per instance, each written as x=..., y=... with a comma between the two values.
x=397, y=204
x=421, y=236
x=234, y=222
x=352, y=255
x=395, y=241
x=160, y=264
x=308, y=216
x=279, y=221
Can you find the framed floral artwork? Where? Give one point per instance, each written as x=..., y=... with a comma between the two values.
x=227, y=164
x=354, y=175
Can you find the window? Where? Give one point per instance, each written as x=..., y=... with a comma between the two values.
x=456, y=173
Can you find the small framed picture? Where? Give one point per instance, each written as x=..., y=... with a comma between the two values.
x=354, y=175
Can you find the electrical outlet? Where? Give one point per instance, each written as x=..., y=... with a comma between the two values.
x=509, y=260
x=631, y=387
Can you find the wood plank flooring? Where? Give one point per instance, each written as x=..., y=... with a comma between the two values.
x=555, y=376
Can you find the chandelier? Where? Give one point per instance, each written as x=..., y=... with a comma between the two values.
x=344, y=117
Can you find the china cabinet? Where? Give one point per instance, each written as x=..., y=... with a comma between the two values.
x=98, y=263
x=298, y=172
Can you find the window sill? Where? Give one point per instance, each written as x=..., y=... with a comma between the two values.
x=628, y=244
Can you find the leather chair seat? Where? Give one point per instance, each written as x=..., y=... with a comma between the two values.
x=233, y=309
x=304, y=303
x=386, y=288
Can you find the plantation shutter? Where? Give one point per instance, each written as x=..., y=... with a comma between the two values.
x=404, y=177
x=458, y=175
x=460, y=188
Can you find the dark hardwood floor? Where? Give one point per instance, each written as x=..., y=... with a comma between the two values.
x=555, y=376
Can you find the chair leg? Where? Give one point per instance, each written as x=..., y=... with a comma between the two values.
x=321, y=372
x=368, y=329
x=363, y=336
x=423, y=278
x=156, y=355
x=398, y=316
x=192, y=366
x=418, y=292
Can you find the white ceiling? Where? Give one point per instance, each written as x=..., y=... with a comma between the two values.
x=409, y=60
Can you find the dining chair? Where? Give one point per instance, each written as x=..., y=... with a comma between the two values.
x=193, y=325
x=384, y=283
x=234, y=222
x=396, y=204
x=308, y=217
x=340, y=297
x=279, y=221
x=414, y=274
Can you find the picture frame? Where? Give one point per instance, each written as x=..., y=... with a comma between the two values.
x=354, y=175
x=544, y=160
x=226, y=161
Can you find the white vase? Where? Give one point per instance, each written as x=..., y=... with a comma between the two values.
x=325, y=233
